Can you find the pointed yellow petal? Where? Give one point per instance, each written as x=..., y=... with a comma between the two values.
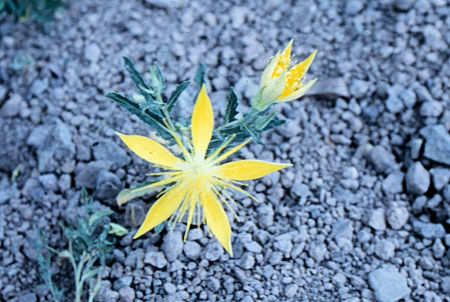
x=247, y=169
x=298, y=93
x=150, y=150
x=216, y=219
x=299, y=70
x=283, y=60
x=202, y=123
x=161, y=210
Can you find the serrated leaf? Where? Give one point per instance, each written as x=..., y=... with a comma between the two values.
x=261, y=123
x=273, y=124
x=138, y=80
x=231, y=112
x=146, y=116
x=176, y=94
x=200, y=75
x=135, y=192
x=135, y=76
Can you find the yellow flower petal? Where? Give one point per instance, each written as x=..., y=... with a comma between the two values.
x=247, y=169
x=283, y=60
x=268, y=71
x=165, y=206
x=295, y=75
x=216, y=219
x=202, y=123
x=150, y=150
x=299, y=70
x=298, y=93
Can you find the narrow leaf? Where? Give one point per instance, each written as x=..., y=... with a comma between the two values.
x=99, y=215
x=91, y=273
x=261, y=123
x=158, y=229
x=230, y=112
x=176, y=94
x=131, y=193
x=147, y=116
x=200, y=75
x=273, y=124
x=135, y=76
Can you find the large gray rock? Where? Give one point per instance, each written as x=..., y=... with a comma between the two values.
x=383, y=160
x=192, y=249
x=429, y=230
x=417, y=179
x=54, y=145
x=388, y=284
x=157, y=259
x=397, y=217
x=377, y=219
x=12, y=106
x=172, y=245
x=88, y=176
x=437, y=143
x=385, y=249
x=108, y=185
x=440, y=176
x=431, y=108
x=110, y=151
x=393, y=183
x=404, y=5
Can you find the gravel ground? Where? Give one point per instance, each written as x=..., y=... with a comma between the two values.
x=362, y=216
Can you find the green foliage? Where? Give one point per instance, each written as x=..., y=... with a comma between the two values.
x=40, y=10
x=153, y=109
x=88, y=244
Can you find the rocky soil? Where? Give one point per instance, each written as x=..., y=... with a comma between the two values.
x=363, y=214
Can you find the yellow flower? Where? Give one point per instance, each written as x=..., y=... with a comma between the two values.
x=197, y=181
x=279, y=83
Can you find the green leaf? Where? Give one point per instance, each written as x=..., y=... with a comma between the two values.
x=138, y=80
x=200, y=75
x=64, y=254
x=146, y=116
x=99, y=215
x=230, y=112
x=135, y=76
x=117, y=229
x=262, y=123
x=91, y=273
x=158, y=229
x=253, y=134
x=176, y=94
x=135, y=192
x=157, y=78
x=273, y=124
x=2, y=5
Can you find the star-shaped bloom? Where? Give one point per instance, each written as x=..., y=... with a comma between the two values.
x=282, y=83
x=197, y=181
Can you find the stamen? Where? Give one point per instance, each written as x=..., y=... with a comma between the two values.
x=236, y=188
x=186, y=154
x=229, y=152
x=214, y=155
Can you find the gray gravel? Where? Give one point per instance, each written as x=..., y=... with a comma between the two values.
x=367, y=199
